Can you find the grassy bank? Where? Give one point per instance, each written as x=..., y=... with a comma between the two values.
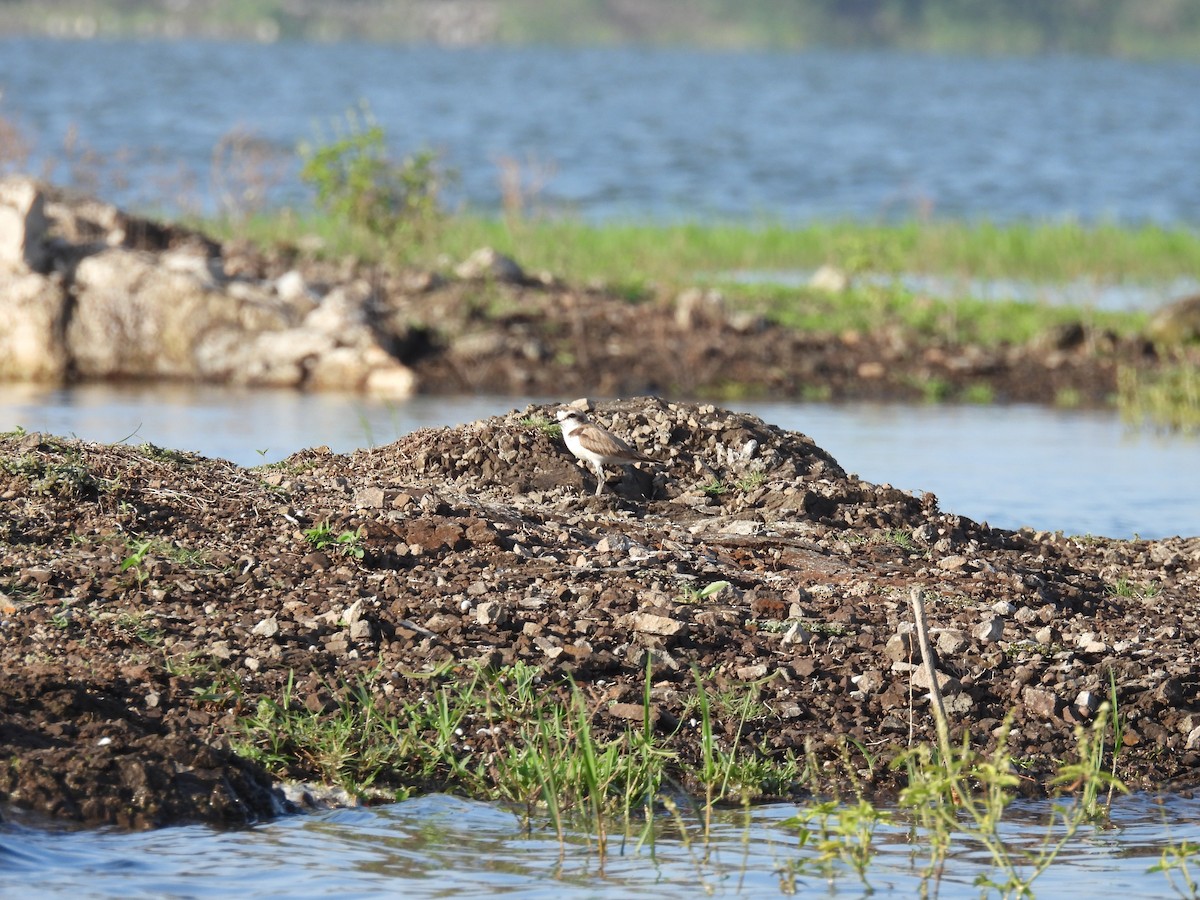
x=679, y=253
x=639, y=260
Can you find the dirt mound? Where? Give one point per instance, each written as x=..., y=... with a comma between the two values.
x=149, y=600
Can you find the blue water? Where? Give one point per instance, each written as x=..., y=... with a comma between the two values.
x=637, y=133
x=441, y=846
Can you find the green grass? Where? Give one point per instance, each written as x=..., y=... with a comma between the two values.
x=525, y=738
x=620, y=252
x=640, y=261
x=1168, y=399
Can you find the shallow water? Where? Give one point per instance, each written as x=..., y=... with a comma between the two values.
x=1085, y=293
x=441, y=846
x=1080, y=472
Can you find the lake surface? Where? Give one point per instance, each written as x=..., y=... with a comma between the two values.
x=643, y=133
x=1081, y=472
x=635, y=134
x=441, y=846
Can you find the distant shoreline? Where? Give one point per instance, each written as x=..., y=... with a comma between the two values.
x=1123, y=29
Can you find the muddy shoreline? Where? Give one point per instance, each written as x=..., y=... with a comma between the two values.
x=149, y=599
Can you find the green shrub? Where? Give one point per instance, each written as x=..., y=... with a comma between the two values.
x=358, y=182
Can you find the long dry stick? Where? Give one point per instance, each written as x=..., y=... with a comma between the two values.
x=935, y=692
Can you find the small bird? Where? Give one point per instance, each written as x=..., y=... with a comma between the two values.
x=595, y=446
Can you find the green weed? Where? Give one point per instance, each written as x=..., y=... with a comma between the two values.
x=1176, y=862
x=545, y=425
x=347, y=543
x=359, y=184
x=1168, y=398
x=688, y=593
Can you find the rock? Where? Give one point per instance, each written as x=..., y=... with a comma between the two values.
x=990, y=632
x=901, y=648
x=649, y=623
x=948, y=684
x=33, y=312
x=23, y=226
x=268, y=627
x=1177, y=323
x=488, y=263
x=952, y=563
x=829, y=279
x=135, y=318
x=695, y=307
x=950, y=641
x=1039, y=703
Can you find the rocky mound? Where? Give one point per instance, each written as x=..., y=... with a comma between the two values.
x=151, y=598
x=90, y=293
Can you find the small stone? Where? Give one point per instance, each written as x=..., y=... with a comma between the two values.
x=491, y=613
x=551, y=646
x=1003, y=608
x=1048, y=635
x=1087, y=702
x=1089, y=643
x=952, y=563
x=1193, y=739
x=268, y=627
x=440, y=623
x=751, y=673
x=950, y=641
x=1039, y=703
x=989, y=632
x=649, y=623
x=899, y=648
x=948, y=684
x=797, y=634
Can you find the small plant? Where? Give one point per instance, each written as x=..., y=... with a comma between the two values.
x=839, y=834
x=162, y=454
x=546, y=426
x=62, y=618
x=751, y=480
x=690, y=594
x=1168, y=399
x=68, y=479
x=357, y=181
x=1124, y=587
x=1176, y=860
x=715, y=487
x=979, y=393
x=348, y=543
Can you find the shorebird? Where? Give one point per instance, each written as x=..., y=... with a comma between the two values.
x=595, y=446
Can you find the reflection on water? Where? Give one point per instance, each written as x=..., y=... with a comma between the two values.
x=1081, y=472
x=441, y=846
x=1083, y=293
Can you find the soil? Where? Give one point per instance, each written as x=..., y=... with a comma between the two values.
x=150, y=598
x=536, y=336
